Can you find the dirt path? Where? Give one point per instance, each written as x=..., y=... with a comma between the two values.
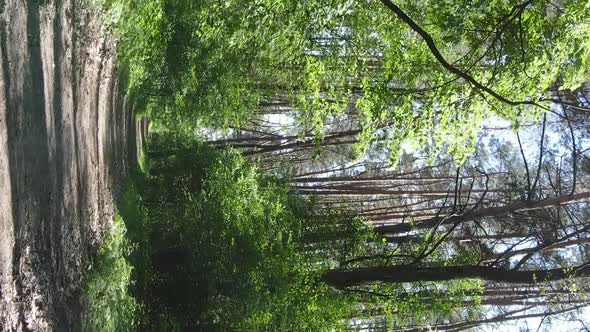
x=66, y=136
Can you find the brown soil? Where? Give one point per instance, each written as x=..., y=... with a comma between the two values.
x=67, y=136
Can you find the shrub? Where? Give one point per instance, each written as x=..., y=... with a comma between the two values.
x=107, y=304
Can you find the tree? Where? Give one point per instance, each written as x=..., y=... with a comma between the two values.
x=398, y=274
x=397, y=80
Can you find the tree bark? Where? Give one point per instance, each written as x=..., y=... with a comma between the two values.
x=406, y=273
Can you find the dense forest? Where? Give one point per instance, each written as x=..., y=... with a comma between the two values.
x=350, y=165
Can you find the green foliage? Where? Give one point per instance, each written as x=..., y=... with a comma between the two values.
x=108, y=306
x=334, y=238
x=400, y=305
x=210, y=63
x=226, y=248
x=132, y=210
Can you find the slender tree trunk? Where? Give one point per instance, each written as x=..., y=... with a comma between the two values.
x=418, y=238
x=495, y=211
x=407, y=273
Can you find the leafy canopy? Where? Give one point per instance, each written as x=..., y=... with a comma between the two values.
x=211, y=63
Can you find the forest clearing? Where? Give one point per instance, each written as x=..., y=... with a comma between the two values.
x=282, y=165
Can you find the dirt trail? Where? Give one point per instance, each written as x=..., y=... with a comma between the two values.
x=67, y=136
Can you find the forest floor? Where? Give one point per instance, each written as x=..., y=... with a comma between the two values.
x=67, y=139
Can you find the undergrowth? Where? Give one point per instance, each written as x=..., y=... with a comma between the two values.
x=108, y=305
x=118, y=277
x=133, y=211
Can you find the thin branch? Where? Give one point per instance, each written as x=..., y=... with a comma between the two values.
x=526, y=166
x=540, y=157
x=435, y=51
x=574, y=154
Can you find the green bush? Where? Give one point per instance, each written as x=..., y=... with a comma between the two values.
x=227, y=250
x=108, y=306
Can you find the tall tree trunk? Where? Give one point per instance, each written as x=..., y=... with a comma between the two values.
x=494, y=211
x=406, y=273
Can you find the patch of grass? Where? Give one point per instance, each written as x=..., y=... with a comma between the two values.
x=132, y=209
x=108, y=305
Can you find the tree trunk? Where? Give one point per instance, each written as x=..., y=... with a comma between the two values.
x=406, y=273
x=495, y=211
